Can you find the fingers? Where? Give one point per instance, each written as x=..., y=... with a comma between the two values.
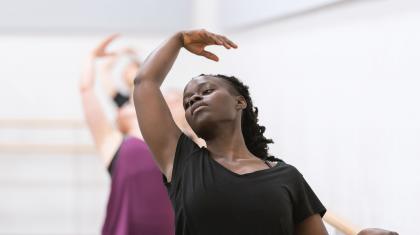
x=209, y=55
x=110, y=54
x=216, y=39
x=229, y=42
x=196, y=40
x=100, y=49
x=222, y=40
x=128, y=51
x=108, y=40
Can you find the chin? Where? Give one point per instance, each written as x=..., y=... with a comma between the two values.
x=204, y=131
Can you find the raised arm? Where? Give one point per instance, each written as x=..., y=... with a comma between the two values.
x=106, y=71
x=156, y=123
x=105, y=136
x=376, y=231
x=313, y=225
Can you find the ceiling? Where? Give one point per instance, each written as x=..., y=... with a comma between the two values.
x=94, y=16
x=141, y=16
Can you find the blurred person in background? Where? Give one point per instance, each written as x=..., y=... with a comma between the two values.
x=116, y=75
x=138, y=202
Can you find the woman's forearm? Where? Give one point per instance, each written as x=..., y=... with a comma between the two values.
x=87, y=80
x=159, y=62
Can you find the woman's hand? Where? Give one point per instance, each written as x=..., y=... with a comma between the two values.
x=100, y=50
x=195, y=42
x=376, y=231
x=88, y=73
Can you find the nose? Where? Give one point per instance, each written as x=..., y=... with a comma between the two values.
x=194, y=99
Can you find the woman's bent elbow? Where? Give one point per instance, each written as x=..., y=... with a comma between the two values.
x=137, y=79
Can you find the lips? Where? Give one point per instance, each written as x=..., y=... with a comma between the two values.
x=197, y=105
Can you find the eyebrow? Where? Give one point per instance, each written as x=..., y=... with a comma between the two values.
x=199, y=86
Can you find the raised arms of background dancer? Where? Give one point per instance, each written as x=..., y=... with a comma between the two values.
x=105, y=72
x=105, y=136
x=151, y=108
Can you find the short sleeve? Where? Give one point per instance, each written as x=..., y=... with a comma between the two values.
x=184, y=149
x=305, y=201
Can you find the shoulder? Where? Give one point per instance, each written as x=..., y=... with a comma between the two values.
x=131, y=140
x=134, y=140
x=132, y=146
x=287, y=173
x=287, y=167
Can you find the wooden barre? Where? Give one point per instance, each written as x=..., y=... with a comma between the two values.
x=29, y=148
x=340, y=224
x=42, y=123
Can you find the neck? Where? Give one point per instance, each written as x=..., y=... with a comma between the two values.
x=228, y=143
x=135, y=131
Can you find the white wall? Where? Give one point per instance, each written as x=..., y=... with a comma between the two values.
x=337, y=90
x=81, y=17
x=243, y=13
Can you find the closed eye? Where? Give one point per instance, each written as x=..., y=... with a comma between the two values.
x=207, y=91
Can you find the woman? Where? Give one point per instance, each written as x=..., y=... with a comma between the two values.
x=138, y=202
x=233, y=186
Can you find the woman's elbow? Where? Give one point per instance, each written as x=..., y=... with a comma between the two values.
x=138, y=79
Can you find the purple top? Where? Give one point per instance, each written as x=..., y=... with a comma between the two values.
x=138, y=202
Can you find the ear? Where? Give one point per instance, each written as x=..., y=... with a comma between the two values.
x=241, y=102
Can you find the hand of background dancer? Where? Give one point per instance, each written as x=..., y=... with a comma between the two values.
x=376, y=231
x=195, y=42
x=88, y=72
x=113, y=57
x=127, y=51
x=100, y=50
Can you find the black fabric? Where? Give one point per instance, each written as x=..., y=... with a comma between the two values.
x=120, y=99
x=111, y=165
x=210, y=199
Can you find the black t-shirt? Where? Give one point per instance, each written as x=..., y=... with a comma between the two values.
x=210, y=199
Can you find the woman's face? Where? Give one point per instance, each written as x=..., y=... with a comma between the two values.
x=126, y=118
x=209, y=101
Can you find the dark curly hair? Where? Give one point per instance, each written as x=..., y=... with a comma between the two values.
x=253, y=133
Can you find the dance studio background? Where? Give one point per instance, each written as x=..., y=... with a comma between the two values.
x=337, y=84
